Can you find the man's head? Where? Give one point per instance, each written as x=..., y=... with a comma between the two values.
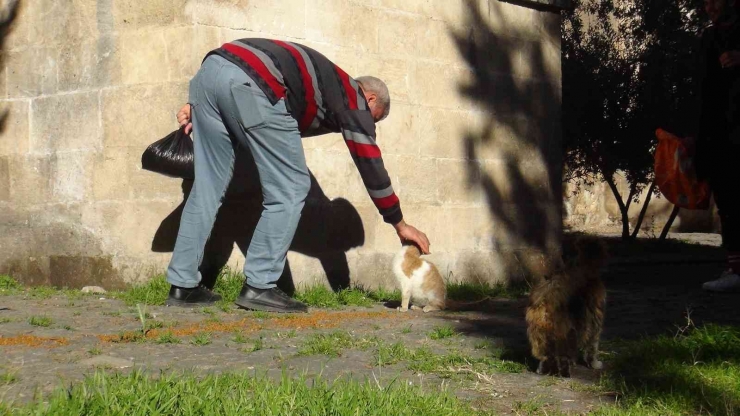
x=377, y=95
x=720, y=10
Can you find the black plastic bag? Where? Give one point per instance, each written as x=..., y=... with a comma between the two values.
x=171, y=156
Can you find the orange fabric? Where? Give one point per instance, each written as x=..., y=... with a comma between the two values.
x=675, y=175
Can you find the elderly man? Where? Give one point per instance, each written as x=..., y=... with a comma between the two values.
x=265, y=95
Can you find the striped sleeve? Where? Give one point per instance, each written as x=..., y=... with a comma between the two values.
x=358, y=129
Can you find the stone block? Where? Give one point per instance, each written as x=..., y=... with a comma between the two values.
x=336, y=174
x=186, y=48
x=90, y=64
x=342, y=23
x=127, y=227
x=125, y=110
x=394, y=72
x=30, y=180
x=374, y=271
x=4, y=179
x=144, y=57
x=134, y=14
x=227, y=35
x=283, y=18
x=71, y=176
x=19, y=35
x=401, y=35
x=457, y=182
x=399, y=133
x=513, y=20
x=56, y=22
x=447, y=81
x=417, y=177
x=32, y=72
x=464, y=228
x=16, y=128
x=66, y=122
x=148, y=185
x=443, y=132
x=111, y=174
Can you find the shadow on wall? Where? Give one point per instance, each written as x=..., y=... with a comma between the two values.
x=326, y=231
x=7, y=17
x=524, y=202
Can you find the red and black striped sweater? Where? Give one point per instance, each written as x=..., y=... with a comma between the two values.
x=322, y=98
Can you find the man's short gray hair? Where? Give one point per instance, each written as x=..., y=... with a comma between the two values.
x=377, y=87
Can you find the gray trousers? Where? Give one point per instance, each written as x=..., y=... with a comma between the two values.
x=229, y=110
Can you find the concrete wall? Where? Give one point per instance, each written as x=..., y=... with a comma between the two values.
x=472, y=141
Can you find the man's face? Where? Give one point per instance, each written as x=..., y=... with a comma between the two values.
x=716, y=9
x=375, y=109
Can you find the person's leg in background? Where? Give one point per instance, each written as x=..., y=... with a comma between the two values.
x=214, y=159
x=725, y=183
x=274, y=140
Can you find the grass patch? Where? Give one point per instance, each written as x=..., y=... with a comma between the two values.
x=257, y=344
x=95, y=351
x=168, y=338
x=5, y=320
x=694, y=373
x=7, y=378
x=330, y=344
x=423, y=360
x=153, y=292
x=471, y=292
x=137, y=393
x=42, y=321
x=239, y=338
x=8, y=284
x=442, y=332
x=202, y=338
x=260, y=315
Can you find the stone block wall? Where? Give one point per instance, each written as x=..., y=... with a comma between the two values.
x=471, y=144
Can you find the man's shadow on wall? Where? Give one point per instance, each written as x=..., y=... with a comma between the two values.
x=326, y=231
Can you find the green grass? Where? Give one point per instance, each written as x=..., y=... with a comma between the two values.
x=8, y=284
x=442, y=332
x=260, y=315
x=153, y=292
x=694, y=373
x=423, y=360
x=42, y=321
x=230, y=394
x=95, y=351
x=7, y=377
x=471, y=292
x=257, y=345
x=203, y=338
x=331, y=344
x=239, y=338
x=168, y=338
x=5, y=320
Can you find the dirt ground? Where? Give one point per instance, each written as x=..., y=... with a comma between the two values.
x=648, y=293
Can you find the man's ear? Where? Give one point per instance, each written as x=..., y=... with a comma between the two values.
x=370, y=98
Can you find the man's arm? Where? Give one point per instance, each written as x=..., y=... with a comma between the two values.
x=358, y=129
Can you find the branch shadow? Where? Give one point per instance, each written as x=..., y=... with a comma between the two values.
x=327, y=229
x=521, y=136
x=7, y=17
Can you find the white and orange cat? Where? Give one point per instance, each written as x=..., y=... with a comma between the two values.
x=419, y=280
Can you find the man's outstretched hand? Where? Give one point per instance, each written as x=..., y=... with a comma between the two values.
x=183, y=118
x=409, y=233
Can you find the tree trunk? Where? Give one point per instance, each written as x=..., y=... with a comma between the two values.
x=643, y=210
x=667, y=227
x=622, y=207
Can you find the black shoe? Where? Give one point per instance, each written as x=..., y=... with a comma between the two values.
x=188, y=297
x=268, y=300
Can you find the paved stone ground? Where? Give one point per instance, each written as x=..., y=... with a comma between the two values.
x=644, y=299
